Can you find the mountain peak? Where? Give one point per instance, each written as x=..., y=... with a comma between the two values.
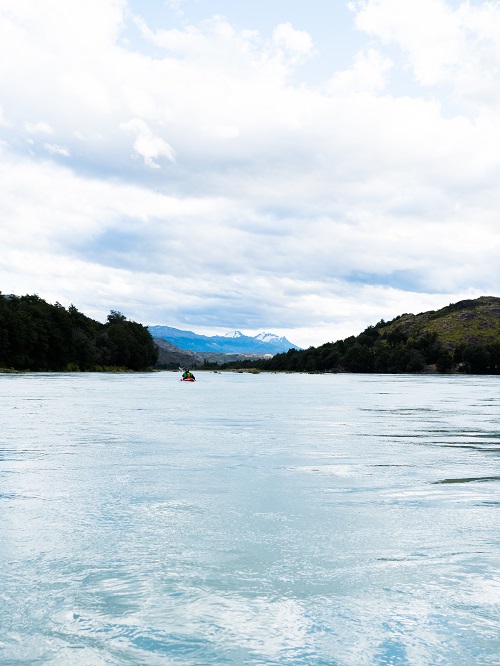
x=234, y=342
x=234, y=334
x=268, y=337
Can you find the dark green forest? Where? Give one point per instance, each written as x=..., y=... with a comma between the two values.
x=38, y=336
x=372, y=351
x=462, y=337
x=375, y=351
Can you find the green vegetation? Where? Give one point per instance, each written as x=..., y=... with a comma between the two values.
x=35, y=335
x=462, y=337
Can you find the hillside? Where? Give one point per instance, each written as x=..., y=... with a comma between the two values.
x=470, y=322
x=171, y=357
x=461, y=337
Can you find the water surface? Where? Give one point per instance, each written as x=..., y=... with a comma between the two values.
x=264, y=519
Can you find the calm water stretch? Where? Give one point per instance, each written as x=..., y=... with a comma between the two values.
x=249, y=519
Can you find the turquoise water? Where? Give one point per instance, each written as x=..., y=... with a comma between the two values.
x=249, y=519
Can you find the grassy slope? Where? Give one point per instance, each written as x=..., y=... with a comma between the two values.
x=474, y=322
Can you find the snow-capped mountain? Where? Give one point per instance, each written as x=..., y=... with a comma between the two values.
x=234, y=334
x=269, y=337
x=234, y=342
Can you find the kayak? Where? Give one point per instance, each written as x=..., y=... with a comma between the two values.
x=188, y=379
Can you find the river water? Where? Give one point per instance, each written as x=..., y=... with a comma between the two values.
x=263, y=519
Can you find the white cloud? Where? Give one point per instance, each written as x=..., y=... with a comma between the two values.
x=146, y=144
x=3, y=120
x=276, y=202
x=54, y=149
x=226, y=132
x=176, y=5
x=296, y=45
x=455, y=45
x=368, y=73
x=72, y=26
x=38, y=128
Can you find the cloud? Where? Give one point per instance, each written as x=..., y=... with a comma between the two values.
x=204, y=182
x=368, y=73
x=176, y=6
x=297, y=45
x=68, y=26
x=38, y=128
x=186, y=262
x=54, y=149
x=146, y=144
x=453, y=45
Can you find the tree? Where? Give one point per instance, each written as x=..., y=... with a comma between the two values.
x=35, y=335
x=445, y=362
x=358, y=359
x=115, y=317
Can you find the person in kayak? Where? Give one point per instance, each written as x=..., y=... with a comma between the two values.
x=187, y=374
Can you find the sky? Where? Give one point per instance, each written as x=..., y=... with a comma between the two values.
x=306, y=169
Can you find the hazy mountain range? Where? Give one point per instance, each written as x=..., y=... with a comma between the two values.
x=235, y=342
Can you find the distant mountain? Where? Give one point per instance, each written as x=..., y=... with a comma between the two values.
x=234, y=334
x=269, y=337
x=171, y=357
x=235, y=342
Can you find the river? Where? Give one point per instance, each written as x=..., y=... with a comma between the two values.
x=267, y=519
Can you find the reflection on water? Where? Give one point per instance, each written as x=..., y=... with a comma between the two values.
x=249, y=519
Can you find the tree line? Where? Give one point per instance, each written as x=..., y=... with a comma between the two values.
x=384, y=351
x=38, y=336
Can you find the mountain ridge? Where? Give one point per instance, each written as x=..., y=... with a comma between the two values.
x=171, y=357
x=470, y=321
x=234, y=342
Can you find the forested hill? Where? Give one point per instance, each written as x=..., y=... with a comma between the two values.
x=463, y=337
x=35, y=335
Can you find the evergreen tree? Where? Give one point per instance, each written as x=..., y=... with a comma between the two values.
x=35, y=335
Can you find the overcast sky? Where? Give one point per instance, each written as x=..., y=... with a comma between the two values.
x=305, y=168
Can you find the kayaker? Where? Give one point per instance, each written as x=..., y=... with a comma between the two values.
x=187, y=375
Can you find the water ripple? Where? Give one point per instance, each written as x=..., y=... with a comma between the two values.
x=289, y=520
